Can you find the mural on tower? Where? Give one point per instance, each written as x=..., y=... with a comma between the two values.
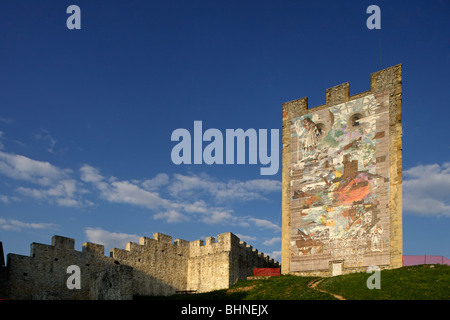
x=339, y=185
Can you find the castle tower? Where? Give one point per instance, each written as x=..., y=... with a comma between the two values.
x=342, y=180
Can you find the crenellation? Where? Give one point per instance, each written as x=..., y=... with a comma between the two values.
x=145, y=241
x=119, y=254
x=40, y=249
x=63, y=242
x=93, y=248
x=342, y=162
x=163, y=238
x=196, y=243
x=229, y=239
x=152, y=267
x=338, y=94
x=181, y=242
x=132, y=246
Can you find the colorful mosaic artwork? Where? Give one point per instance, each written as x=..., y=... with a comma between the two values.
x=339, y=185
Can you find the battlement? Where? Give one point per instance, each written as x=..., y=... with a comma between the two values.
x=332, y=147
x=93, y=248
x=260, y=255
x=154, y=266
x=163, y=239
x=379, y=81
x=63, y=242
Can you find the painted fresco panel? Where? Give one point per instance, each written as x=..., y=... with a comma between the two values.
x=339, y=185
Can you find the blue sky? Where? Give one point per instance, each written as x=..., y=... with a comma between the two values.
x=86, y=116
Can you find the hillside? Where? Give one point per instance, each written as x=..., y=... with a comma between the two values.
x=423, y=282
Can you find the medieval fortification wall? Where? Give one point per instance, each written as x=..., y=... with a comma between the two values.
x=342, y=179
x=155, y=266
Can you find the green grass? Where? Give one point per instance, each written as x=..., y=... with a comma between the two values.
x=273, y=288
x=423, y=282
x=408, y=283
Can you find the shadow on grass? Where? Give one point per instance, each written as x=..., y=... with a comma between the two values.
x=424, y=282
x=285, y=287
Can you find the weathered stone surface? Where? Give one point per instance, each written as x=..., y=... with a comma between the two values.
x=153, y=267
x=342, y=185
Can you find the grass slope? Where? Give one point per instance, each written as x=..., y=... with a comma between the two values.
x=273, y=288
x=423, y=282
x=408, y=283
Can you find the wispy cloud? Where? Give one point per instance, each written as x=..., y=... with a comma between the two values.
x=8, y=199
x=23, y=168
x=276, y=255
x=124, y=191
x=171, y=216
x=246, y=238
x=16, y=225
x=192, y=197
x=155, y=183
x=6, y=120
x=426, y=190
x=109, y=239
x=45, y=136
x=266, y=224
x=172, y=199
x=232, y=190
x=271, y=242
x=65, y=193
x=50, y=183
x=1, y=143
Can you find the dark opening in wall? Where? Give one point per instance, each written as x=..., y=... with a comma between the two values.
x=354, y=120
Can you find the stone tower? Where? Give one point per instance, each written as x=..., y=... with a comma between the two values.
x=342, y=180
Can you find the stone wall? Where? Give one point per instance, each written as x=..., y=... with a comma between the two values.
x=43, y=274
x=159, y=266
x=342, y=180
x=155, y=266
x=210, y=264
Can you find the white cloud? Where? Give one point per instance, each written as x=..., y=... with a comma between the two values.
x=266, y=224
x=65, y=193
x=189, y=196
x=123, y=191
x=126, y=192
x=198, y=206
x=272, y=241
x=161, y=179
x=90, y=174
x=233, y=190
x=23, y=168
x=8, y=199
x=217, y=216
x=245, y=238
x=275, y=255
x=170, y=216
x=426, y=190
x=194, y=197
x=109, y=239
x=53, y=183
x=16, y=225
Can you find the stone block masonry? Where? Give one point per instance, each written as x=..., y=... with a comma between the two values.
x=342, y=180
x=154, y=266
